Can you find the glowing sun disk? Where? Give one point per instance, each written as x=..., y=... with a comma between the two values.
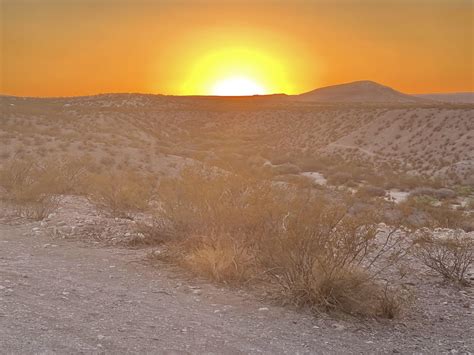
x=237, y=86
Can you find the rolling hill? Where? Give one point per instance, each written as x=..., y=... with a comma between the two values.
x=459, y=97
x=359, y=91
x=392, y=132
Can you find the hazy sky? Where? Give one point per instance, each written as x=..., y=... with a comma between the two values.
x=76, y=47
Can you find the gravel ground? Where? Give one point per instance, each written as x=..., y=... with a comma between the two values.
x=60, y=295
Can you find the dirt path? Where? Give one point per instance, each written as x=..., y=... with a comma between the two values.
x=60, y=296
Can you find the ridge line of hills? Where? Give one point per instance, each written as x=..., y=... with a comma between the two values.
x=364, y=91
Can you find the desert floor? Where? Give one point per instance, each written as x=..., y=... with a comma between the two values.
x=67, y=295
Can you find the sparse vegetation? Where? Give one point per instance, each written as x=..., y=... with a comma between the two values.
x=451, y=257
x=121, y=193
x=33, y=188
x=234, y=230
x=224, y=195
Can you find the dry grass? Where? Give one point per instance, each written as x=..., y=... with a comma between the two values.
x=318, y=254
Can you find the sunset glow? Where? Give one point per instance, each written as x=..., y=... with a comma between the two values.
x=63, y=48
x=256, y=68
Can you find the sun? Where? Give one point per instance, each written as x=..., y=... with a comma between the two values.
x=237, y=86
x=235, y=71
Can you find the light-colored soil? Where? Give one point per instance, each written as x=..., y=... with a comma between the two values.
x=160, y=134
x=72, y=294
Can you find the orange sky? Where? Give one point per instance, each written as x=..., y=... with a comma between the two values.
x=78, y=47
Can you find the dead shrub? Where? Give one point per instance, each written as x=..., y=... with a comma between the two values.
x=439, y=194
x=370, y=191
x=31, y=188
x=151, y=234
x=121, y=193
x=392, y=302
x=433, y=213
x=39, y=208
x=326, y=258
x=221, y=259
x=319, y=253
x=60, y=177
x=202, y=201
x=451, y=257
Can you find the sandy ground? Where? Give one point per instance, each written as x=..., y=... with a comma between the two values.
x=67, y=296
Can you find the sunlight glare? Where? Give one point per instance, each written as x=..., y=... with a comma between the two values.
x=237, y=86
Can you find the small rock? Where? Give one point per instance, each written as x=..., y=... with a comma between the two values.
x=261, y=309
x=338, y=326
x=100, y=336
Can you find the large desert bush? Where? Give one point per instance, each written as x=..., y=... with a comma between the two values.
x=326, y=257
x=314, y=252
x=201, y=201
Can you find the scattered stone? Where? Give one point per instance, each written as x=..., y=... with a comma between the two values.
x=338, y=326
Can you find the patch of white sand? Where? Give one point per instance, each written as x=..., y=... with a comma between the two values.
x=318, y=178
x=397, y=196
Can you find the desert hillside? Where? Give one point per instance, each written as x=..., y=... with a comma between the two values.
x=359, y=91
x=159, y=133
x=459, y=97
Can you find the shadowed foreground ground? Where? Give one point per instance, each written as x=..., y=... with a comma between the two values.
x=60, y=296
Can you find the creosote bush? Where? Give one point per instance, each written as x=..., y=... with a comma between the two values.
x=33, y=188
x=121, y=193
x=435, y=214
x=315, y=253
x=451, y=257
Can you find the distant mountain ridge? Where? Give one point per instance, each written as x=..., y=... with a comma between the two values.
x=457, y=97
x=364, y=91
x=359, y=91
